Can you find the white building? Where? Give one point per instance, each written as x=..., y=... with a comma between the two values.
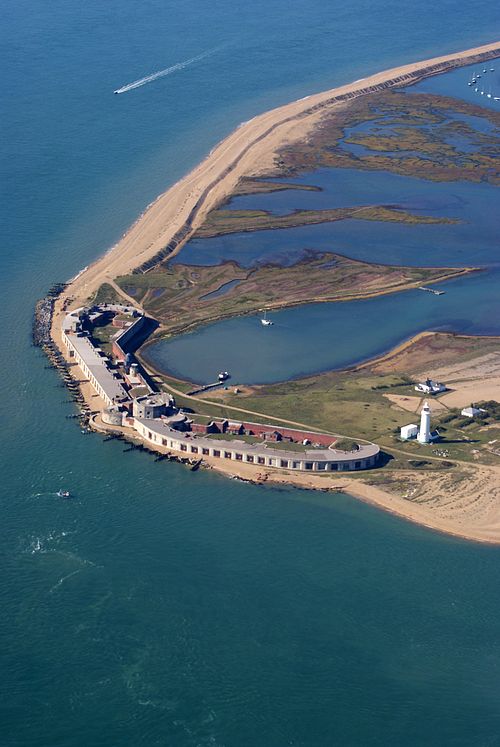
x=108, y=384
x=409, y=431
x=430, y=387
x=424, y=432
x=471, y=412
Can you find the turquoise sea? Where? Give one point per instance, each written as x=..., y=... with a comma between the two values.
x=161, y=607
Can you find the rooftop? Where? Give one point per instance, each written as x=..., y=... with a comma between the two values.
x=161, y=427
x=98, y=366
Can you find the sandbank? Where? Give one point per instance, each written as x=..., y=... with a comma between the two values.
x=248, y=151
x=465, y=505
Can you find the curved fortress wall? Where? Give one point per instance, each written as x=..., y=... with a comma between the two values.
x=158, y=433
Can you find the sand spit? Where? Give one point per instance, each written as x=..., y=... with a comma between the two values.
x=464, y=503
x=172, y=218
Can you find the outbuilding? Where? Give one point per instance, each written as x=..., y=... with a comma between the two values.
x=472, y=412
x=409, y=431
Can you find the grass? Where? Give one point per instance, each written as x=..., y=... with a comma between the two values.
x=105, y=294
x=336, y=402
x=419, y=150
x=102, y=337
x=178, y=296
x=220, y=222
x=251, y=186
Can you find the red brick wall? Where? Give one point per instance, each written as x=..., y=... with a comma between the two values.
x=318, y=438
x=256, y=429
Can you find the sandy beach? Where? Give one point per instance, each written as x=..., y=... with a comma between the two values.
x=248, y=151
x=464, y=503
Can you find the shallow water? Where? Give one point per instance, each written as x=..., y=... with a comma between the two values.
x=318, y=337
x=471, y=241
x=161, y=607
x=336, y=335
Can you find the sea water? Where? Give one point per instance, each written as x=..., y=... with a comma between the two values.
x=161, y=607
x=322, y=336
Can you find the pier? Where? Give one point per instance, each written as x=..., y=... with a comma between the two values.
x=205, y=388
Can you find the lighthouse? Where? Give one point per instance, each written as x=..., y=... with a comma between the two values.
x=424, y=433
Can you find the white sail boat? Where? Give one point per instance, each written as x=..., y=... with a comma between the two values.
x=265, y=321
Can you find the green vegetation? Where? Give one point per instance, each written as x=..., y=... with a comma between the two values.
x=336, y=402
x=355, y=403
x=105, y=294
x=346, y=444
x=251, y=186
x=454, y=420
x=179, y=295
x=102, y=334
x=220, y=222
x=400, y=139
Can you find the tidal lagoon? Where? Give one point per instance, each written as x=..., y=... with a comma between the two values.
x=161, y=607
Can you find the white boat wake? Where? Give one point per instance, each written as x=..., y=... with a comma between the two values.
x=167, y=71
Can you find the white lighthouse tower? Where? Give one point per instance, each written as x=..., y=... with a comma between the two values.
x=424, y=433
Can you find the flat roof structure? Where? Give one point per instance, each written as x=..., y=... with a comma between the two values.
x=160, y=428
x=97, y=366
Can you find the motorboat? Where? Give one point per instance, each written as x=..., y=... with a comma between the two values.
x=223, y=376
x=265, y=321
x=63, y=494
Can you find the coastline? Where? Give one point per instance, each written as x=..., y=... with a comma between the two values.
x=183, y=207
x=481, y=526
x=471, y=513
x=281, y=305
x=180, y=210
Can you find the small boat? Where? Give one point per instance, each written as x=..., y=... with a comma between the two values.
x=63, y=494
x=431, y=290
x=492, y=69
x=496, y=98
x=223, y=376
x=484, y=70
x=265, y=321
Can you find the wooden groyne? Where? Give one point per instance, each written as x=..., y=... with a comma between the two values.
x=42, y=323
